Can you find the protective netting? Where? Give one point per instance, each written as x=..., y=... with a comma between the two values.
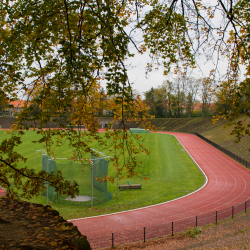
x=48, y=166
x=92, y=191
x=100, y=169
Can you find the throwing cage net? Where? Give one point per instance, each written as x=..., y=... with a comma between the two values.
x=92, y=192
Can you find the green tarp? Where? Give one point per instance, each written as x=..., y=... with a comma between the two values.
x=139, y=130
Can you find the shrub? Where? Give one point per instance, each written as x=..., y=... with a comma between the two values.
x=193, y=231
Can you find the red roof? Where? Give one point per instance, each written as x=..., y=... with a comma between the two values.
x=198, y=106
x=17, y=104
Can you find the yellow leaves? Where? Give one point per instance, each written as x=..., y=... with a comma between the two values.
x=65, y=228
x=23, y=244
x=53, y=244
x=65, y=247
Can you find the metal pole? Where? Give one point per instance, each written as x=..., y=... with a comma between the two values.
x=112, y=239
x=41, y=170
x=42, y=162
x=216, y=217
x=172, y=228
x=245, y=206
x=144, y=234
x=35, y=162
x=232, y=212
x=92, y=170
x=196, y=221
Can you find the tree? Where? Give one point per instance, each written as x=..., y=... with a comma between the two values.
x=207, y=90
x=160, y=103
x=150, y=100
x=236, y=92
x=192, y=89
x=178, y=97
x=233, y=103
x=223, y=99
x=103, y=98
x=63, y=49
x=169, y=89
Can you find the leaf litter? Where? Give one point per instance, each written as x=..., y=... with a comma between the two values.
x=25, y=225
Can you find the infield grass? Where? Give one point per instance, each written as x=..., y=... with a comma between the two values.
x=170, y=170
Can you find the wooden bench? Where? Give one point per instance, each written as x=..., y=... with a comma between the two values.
x=130, y=186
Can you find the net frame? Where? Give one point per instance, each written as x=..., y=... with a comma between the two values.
x=92, y=168
x=91, y=161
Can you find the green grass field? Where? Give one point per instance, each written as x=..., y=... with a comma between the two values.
x=170, y=170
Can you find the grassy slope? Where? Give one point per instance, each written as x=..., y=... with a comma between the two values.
x=221, y=136
x=214, y=132
x=171, y=174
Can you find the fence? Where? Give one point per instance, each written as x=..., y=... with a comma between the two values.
x=225, y=151
x=151, y=232
x=154, y=231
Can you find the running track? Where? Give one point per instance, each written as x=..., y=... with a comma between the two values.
x=228, y=184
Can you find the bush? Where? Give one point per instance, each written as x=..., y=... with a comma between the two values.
x=193, y=231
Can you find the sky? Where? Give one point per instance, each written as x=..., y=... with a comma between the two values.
x=137, y=69
x=156, y=78
x=138, y=63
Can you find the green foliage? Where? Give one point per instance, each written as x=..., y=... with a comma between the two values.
x=177, y=98
x=233, y=94
x=243, y=230
x=194, y=231
x=82, y=243
x=57, y=53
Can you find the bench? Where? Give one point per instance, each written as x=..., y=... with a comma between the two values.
x=130, y=186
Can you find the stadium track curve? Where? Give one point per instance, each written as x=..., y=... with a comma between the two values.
x=228, y=185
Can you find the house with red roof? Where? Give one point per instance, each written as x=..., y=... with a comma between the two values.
x=15, y=106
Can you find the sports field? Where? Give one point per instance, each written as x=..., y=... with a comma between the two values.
x=170, y=170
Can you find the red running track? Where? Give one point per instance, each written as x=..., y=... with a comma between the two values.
x=228, y=185
x=2, y=192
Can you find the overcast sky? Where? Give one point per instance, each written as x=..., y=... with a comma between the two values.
x=155, y=78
